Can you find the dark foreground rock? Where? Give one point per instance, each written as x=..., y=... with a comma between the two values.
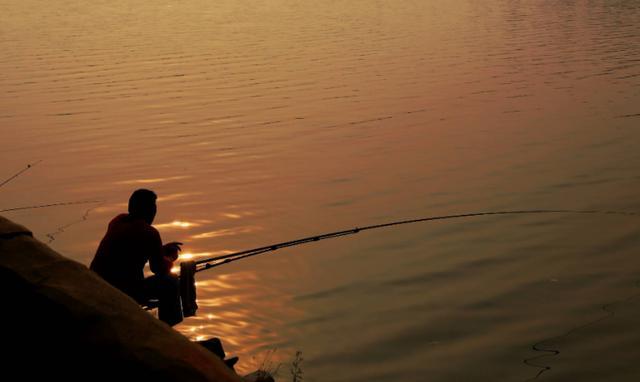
x=61, y=322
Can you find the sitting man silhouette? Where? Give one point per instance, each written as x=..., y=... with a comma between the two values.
x=129, y=243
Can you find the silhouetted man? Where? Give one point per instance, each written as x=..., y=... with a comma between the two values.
x=129, y=243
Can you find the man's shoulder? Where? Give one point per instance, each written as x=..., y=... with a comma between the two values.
x=119, y=218
x=124, y=221
x=152, y=230
x=118, y=221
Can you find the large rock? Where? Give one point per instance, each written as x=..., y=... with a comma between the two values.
x=62, y=322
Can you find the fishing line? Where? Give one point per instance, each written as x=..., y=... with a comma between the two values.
x=29, y=166
x=212, y=262
x=51, y=205
x=549, y=350
x=61, y=229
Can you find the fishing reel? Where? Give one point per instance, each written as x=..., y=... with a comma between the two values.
x=188, y=288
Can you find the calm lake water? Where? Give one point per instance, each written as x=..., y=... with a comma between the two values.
x=268, y=120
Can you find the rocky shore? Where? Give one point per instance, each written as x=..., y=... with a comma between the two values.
x=62, y=322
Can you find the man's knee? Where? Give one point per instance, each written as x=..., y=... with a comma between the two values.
x=169, y=286
x=158, y=286
x=171, y=280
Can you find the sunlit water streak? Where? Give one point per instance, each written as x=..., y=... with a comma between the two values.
x=263, y=121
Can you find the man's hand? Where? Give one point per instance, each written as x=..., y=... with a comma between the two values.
x=171, y=250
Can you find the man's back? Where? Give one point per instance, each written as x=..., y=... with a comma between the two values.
x=126, y=247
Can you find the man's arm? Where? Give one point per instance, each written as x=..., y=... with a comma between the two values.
x=161, y=260
x=156, y=252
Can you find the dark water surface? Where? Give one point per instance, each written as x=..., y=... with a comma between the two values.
x=263, y=121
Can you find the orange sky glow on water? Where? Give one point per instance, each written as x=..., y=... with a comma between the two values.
x=258, y=122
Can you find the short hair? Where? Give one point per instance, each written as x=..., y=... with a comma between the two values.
x=142, y=202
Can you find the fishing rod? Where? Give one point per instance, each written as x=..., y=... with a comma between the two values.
x=29, y=166
x=51, y=205
x=188, y=269
x=213, y=262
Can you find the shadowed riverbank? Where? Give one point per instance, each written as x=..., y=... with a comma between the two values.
x=62, y=322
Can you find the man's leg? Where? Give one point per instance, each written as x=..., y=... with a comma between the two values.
x=166, y=288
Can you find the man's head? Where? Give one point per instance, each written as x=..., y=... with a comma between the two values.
x=142, y=204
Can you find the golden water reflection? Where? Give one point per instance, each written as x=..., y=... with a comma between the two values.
x=238, y=214
x=203, y=255
x=245, y=314
x=226, y=232
x=177, y=195
x=179, y=224
x=152, y=180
